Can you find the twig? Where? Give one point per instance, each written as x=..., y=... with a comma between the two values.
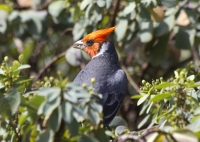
x=150, y=131
x=41, y=72
x=125, y=138
x=55, y=58
x=132, y=82
x=62, y=34
x=58, y=135
x=112, y=23
x=15, y=131
x=143, y=137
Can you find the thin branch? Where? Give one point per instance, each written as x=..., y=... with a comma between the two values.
x=43, y=70
x=125, y=138
x=58, y=135
x=143, y=137
x=112, y=23
x=15, y=131
x=62, y=34
x=132, y=82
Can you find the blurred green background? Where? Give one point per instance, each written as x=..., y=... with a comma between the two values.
x=152, y=38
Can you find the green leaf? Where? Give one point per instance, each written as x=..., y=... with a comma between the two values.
x=101, y=3
x=14, y=16
x=141, y=100
x=164, y=85
x=74, y=86
x=15, y=66
x=79, y=111
x=192, y=15
x=70, y=97
x=96, y=106
x=36, y=100
x=120, y=130
x=171, y=11
x=136, y=97
x=157, y=137
x=144, y=107
x=1, y=85
x=149, y=108
x=184, y=38
x=38, y=3
x=144, y=15
x=146, y=29
x=88, y=10
x=87, y=139
x=129, y=8
x=56, y=7
x=72, y=56
x=108, y=4
x=191, y=77
x=34, y=20
x=73, y=127
x=28, y=50
x=14, y=99
x=77, y=91
x=169, y=3
x=194, y=126
x=33, y=134
x=55, y=119
x=1, y=71
x=3, y=23
x=197, y=111
x=160, y=97
x=121, y=29
x=185, y=136
x=4, y=7
x=144, y=121
x=159, y=49
x=164, y=27
x=117, y=121
x=45, y=136
x=93, y=116
x=78, y=31
x=48, y=107
x=22, y=118
x=25, y=16
x=21, y=67
x=100, y=135
x=84, y=4
x=67, y=112
x=50, y=93
x=5, y=111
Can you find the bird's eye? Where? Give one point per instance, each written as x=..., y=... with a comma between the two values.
x=89, y=42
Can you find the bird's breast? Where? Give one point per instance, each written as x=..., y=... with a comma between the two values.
x=101, y=70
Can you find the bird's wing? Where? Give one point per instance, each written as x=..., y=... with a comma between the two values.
x=117, y=87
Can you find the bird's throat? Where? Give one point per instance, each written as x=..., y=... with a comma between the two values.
x=92, y=50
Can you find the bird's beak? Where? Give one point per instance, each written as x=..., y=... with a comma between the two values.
x=79, y=45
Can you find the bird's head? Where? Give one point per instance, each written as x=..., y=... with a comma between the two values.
x=93, y=42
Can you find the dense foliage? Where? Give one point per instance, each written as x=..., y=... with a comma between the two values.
x=153, y=38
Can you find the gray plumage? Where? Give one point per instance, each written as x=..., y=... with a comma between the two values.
x=110, y=79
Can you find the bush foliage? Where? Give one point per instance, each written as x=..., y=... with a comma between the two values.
x=153, y=39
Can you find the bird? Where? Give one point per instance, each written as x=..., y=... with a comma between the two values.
x=110, y=79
